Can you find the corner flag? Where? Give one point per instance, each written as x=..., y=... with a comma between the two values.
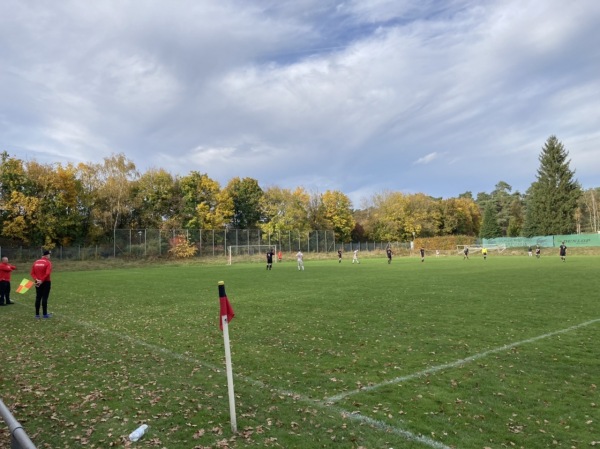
x=226, y=316
x=25, y=285
x=226, y=309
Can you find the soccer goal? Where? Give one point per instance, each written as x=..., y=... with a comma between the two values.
x=474, y=249
x=250, y=253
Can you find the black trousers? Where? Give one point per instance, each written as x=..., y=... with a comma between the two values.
x=4, y=292
x=41, y=297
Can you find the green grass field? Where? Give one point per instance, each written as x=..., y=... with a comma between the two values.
x=449, y=353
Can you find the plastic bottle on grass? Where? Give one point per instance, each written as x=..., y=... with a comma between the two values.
x=138, y=433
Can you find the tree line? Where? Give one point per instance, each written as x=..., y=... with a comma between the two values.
x=56, y=204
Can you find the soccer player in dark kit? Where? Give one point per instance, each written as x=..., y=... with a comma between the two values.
x=270, y=255
x=563, y=251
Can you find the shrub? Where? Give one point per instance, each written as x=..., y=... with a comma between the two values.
x=181, y=247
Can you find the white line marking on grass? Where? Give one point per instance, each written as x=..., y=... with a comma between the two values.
x=409, y=436
x=387, y=428
x=435, y=369
x=328, y=402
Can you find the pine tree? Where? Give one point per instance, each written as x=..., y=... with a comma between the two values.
x=489, y=226
x=552, y=198
x=515, y=222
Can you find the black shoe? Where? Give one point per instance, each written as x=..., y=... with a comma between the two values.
x=9, y=302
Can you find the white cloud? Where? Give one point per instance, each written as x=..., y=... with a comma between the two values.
x=343, y=95
x=427, y=158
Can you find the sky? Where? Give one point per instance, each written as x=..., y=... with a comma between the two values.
x=363, y=97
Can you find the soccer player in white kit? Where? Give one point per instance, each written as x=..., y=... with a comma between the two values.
x=300, y=259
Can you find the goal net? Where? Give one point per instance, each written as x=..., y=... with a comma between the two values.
x=474, y=249
x=250, y=253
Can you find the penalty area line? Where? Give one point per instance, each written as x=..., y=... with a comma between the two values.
x=353, y=416
x=456, y=363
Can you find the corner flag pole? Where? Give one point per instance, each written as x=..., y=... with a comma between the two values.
x=226, y=316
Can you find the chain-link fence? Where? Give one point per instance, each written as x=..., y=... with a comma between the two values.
x=154, y=243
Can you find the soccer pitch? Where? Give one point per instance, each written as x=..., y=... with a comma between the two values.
x=449, y=353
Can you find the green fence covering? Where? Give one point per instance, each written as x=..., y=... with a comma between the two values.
x=578, y=240
x=551, y=241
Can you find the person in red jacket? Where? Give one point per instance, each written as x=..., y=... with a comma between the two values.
x=5, y=270
x=40, y=272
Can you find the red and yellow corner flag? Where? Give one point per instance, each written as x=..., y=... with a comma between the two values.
x=226, y=309
x=25, y=285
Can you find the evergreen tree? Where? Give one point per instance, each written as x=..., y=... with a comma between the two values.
x=489, y=227
x=552, y=199
x=515, y=222
x=502, y=197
